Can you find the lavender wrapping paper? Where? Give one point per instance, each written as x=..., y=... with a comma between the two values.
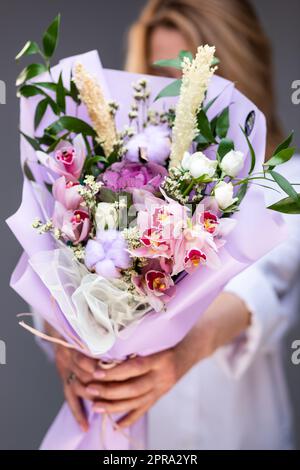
x=156, y=331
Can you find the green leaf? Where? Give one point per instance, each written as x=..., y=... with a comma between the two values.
x=29, y=72
x=72, y=124
x=50, y=38
x=27, y=172
x=89, y=162
x=285, y=185
x=225, y=146
x=281, y=157
x=54, y=106
x=45, y=140
x=200, y=139
x=30, y=48
x=222, y=124
x=40, y=112
x=33, y=90
x=174, y=63
x=49, y=187
x=202, y=142
x=74, y=92
x=285, y=144
x=173, y=89
x=204, y=126
x=48, y=85
x=53, y=142
x=210, y=103
x=95, y=171
x=33, y=142
x=60, y=95
x=187, y=54
x=242, y=192
x=288, y=205
x=215, y=61
x=29, y=90
x=251, y=149
x=213, y=124
x=112, y=158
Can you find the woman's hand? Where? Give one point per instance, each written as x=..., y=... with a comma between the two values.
x=135, y=385
x=76, y=371
x=132, y=387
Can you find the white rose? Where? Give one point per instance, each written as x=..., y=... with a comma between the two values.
x=198, y=164
x=185, y=162
x=224, y=195
x=232, y=163
x=106, y=216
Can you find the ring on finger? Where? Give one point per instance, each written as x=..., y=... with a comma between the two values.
x=71, y=378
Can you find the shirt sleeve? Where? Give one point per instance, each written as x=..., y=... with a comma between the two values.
x=269, y=289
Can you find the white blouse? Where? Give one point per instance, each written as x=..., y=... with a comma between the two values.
x=238, y=399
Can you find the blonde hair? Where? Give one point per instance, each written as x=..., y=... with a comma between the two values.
x=233, y=28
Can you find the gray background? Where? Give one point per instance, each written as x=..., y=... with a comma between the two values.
x=30, y=393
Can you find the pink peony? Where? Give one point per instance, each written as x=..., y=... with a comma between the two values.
x=126, y=176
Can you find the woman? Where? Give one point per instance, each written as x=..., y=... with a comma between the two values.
x=231, y=391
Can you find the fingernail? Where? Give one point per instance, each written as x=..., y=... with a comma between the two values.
x=84, y=427
x=98, y=409
x=99, y=374
x=93, y=391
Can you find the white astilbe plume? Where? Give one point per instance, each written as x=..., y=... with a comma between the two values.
x=195, y=79
x=98, y=108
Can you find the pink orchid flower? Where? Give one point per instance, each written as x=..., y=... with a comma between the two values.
x=160, y=223
x=74, y=225
x=208, y=214
x=66, y=192
x=68, y=160
x=193, y=259
x=158, y=287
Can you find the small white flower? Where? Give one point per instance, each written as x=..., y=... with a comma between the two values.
x=199, y=165
x=185, y=162
x=232, y=163
x=224, y=195
x=106, y=216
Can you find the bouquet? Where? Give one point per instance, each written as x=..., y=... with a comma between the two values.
x=141, y=199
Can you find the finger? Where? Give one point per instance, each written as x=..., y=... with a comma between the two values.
x=87, y=364
x=132, y=417
x=122, y=406
x=127, y=370
x=77, y=409
x=122, y=390
x=83, y=376
x=62, y=360
x=80, y=390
